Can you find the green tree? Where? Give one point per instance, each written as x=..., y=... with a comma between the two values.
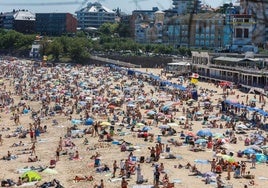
x=78, y=50
x=56, y=49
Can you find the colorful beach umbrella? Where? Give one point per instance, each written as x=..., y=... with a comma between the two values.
x=228, y=158
x=105, y=124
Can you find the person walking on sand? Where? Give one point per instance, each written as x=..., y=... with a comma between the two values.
x=114, y=168
x=253, y=160
x=124, y=183
x=58, y=153
x=33, y=149
x=101, y=184
x=1, y=140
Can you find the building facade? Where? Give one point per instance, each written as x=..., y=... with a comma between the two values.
x=142, y=24
x=55, y=24
x=24, y=22
x=245, y=71
x=94, y=15
x=259, y=11
x=7, y=20
x=186, y=6
x=198, y=30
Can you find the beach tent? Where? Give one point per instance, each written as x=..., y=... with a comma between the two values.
x=261, y=158
x=32, y=175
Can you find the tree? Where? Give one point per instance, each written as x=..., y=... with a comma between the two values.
x=78, y=51
x=56, y=49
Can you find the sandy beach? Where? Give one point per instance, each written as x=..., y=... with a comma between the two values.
x=57, y=101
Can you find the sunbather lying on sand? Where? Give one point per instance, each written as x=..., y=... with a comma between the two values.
x=83, y=178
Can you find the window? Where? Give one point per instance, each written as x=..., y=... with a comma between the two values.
x=238, y=33
x=246, y=33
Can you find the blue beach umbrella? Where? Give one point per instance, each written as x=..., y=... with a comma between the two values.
x=89, y=121
x=200, y=141
x=249, y=151
x=146, y=128
x=151, y=112
x=204, y=132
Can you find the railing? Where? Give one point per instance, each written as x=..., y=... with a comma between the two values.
x=115, y=62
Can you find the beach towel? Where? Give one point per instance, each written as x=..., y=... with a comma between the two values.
x=176, y=181
x=30, y=184
x=142, y=186
x=262, y=178
x=115, y=179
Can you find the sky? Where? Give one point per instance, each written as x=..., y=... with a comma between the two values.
x=126, y=5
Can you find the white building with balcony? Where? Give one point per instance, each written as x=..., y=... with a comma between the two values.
x=94, y=15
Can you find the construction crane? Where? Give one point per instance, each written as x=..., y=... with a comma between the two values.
x=136, y=2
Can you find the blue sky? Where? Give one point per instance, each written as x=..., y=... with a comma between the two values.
x=125, y=5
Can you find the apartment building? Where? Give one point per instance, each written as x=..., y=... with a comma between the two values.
x=186, y=6
x=94, y=15
x=55, y=24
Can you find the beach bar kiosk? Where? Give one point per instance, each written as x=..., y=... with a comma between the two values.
x=179, y=68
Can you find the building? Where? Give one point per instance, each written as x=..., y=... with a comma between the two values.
x=246, y=71
x=186, y=6
x=142, y=24
x=259, y=11
x=24, y=22
x=204, y=30
x=7, y=20
x=55, y=24
x=94, y=15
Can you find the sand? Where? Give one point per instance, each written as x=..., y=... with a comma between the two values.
x=47, y=144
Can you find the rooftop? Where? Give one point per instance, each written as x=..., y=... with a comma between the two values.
x=24, y=15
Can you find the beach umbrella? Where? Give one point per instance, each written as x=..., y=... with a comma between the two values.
x=261, y=157
x=150, y=113
x=210, y=174
x=218, y=135
x=200, y=141
x=249, y=151
x=242, y=126
x=173, y=124
x=256, y=148
x=95, y=106
x=105, y=123
x=204, y=132
x=146, y=128
x=32, y=175
x=191, y=134
x=199, y=113
x=111, y=106
x=190, y=101
x=50, y=171
x=165, y=108
x=228, y=158
x=131, y=105
x=139, y=124
x=163, y=126
x=76, y=121
x=252, y=100
x=182, y=118
x=89, y=121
